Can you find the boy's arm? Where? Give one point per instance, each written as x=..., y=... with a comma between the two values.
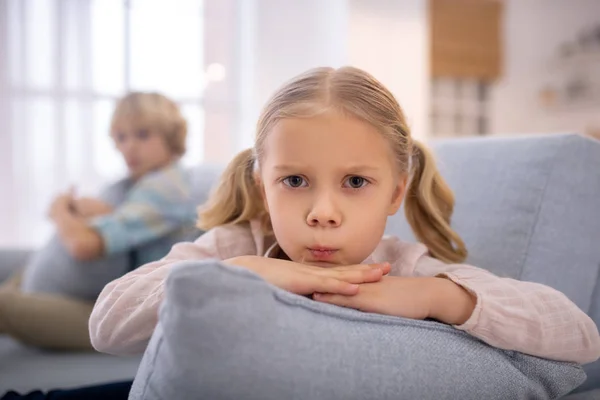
x=89, y=207
x=82, y=242
x=156, y=206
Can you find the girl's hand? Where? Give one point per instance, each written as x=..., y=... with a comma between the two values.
x=410, y=297
x=307, y=279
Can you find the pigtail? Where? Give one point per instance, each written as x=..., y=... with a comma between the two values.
x=237, y=197
x=429, y=205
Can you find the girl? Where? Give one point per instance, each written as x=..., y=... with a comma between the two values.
x=136, y=221
x=306, y=209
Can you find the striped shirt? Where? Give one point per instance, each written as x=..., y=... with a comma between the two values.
x=151, y=215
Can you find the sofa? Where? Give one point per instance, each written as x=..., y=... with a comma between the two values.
x=527, y=208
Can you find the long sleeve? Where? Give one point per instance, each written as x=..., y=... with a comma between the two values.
x=156, y=206
x=523, y=316
x=126, y=312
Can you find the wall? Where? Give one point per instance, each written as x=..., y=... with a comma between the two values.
x=388, y=38
x=533, y=29
x=282, y=39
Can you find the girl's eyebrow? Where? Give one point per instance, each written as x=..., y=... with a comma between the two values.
x=287, y=168
x=363, y=168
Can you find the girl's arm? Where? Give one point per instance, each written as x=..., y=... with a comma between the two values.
x=126, y=312
x=510, y=314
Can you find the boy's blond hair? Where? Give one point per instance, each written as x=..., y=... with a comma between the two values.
x=155, y=112
x=429, y=201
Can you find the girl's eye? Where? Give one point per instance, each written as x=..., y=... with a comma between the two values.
x=356, y=182
x=294, y=181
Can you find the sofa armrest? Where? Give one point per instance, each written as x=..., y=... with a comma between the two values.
x=11, y=260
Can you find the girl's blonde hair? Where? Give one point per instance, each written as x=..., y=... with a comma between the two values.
x=152, y=111
x=429, y=201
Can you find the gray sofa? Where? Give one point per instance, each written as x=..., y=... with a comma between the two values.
x=527, y=208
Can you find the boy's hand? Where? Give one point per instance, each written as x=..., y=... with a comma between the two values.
x=89, y=207
x=306, y=279
x=60, y=205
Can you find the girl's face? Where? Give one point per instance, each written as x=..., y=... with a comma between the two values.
x=329, y=183
x=143, y=150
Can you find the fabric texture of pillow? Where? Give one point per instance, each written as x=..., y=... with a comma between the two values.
x=224, y=333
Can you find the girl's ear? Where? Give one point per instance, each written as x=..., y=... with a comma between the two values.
x=398, y=195
x=261, y=189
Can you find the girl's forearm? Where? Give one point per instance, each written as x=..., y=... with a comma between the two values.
x=450, y=302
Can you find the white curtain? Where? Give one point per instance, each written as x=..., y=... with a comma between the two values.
x=63, y=64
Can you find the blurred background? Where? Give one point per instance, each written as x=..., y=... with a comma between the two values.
x=458, y=67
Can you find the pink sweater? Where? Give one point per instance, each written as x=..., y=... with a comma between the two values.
x=509, y=314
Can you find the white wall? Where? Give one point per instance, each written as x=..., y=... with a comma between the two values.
x=388, y=38
x=533, y=29
x=281, y=40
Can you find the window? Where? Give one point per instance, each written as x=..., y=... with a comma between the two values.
x=66, y=62
x=459, y=107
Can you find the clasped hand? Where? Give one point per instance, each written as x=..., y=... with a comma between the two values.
x=86, y=207
x=364, y=287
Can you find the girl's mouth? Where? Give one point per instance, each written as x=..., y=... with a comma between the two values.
x=322, y=253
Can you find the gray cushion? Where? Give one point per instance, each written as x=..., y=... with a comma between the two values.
x=52, y=269
x=528, y=208
x=224, y=333
x=12, y=260
x=203, y=178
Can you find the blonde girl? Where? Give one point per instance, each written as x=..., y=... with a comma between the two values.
x=306, y=209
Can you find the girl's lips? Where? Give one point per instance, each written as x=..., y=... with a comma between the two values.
x=322, y=253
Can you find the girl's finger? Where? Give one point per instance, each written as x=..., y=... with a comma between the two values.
x=383, y=266
x=332, y=285
x=337, y=299
x=364, y=276
x=358, y=267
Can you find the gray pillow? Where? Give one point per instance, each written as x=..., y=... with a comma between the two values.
x=224, y=333
x=53, y=270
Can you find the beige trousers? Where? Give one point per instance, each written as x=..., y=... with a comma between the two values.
x=44, y=320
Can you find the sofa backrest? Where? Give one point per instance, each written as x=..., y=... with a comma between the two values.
x=527, y=208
